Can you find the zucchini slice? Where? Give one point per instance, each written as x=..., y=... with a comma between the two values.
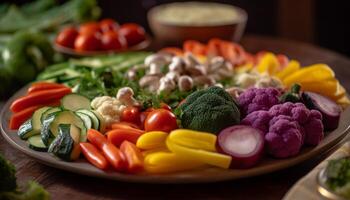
x=33, y=125
x=36, y=143
x=49, y=112
x=51, y=123
x=94, y=118
x=86, y=119
x=66, y=144
x=75, y=102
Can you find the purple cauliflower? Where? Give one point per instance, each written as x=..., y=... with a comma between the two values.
x=284, y=138
x=305, y=127
x=259, y=119
x=254, y=99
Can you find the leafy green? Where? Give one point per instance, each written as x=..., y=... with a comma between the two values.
x=338, y=173
x=37, y=15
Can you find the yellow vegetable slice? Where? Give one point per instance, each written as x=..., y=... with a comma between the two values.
x=268, y=64
x=340, y=92
x=150, y=151
x=164, y=162
x=313, y=73
x=292, y=67
x=327, y=88
x=194, y=139
x=208, y=157
x=152, y=140
x=344, y=102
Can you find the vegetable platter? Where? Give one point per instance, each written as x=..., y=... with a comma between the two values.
x=201, y=113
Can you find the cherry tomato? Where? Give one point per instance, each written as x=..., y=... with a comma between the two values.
x=67, y=37
x=87, y=42
x=131, y=114
x=160, y=120
x=109, y=25
x=89, y=28
x=133, y=33
x=111, y=40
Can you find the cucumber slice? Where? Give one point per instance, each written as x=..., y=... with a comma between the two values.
x=36, y=143
x=51, y=123
x=102, y=126
x=95, y=120
x=86, y=119
x=49, y=112
x=33, y=125
x=75, y=102
x=66, y=144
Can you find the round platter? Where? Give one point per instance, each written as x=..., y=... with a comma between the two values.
x=200, y=175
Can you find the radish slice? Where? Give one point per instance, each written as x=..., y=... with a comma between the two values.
x=244, y=144
x=329, y=109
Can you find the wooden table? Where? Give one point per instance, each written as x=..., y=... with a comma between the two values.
x=65, y=185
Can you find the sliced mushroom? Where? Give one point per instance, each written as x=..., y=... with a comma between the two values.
x=185, y=83
x=204, y=81
x=191, y=60
x=196, y=70
x=166, y=85
x=177, y=64
x=161, y=59
x=151, y=82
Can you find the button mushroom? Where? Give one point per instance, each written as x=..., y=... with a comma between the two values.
x=185, y=83
x=151, y=82
x=125, y=95
x=166, y=85
x=204, y=81
x=177, y=64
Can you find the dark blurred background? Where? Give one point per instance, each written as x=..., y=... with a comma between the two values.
x=321, y=22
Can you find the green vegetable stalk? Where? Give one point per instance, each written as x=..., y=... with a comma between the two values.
x=292, y=95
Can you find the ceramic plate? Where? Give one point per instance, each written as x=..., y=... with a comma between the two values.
x=200, y=175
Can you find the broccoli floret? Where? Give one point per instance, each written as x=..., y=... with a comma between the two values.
x=209, y=110
x=7, y=174
x=33, y=191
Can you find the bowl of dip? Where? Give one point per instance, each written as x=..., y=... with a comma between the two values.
x=176, y=22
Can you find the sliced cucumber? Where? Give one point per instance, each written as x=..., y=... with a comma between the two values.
x=36, y=143
x=75, y=102
x=86, y=119
x=66, y=144
x=49, y=112
x=102, y=126
x=94, y=118
x=51, y=123
x=33, y=125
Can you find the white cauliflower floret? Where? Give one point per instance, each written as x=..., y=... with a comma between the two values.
x=111, y=108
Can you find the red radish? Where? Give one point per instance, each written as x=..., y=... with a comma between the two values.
x=329, y=109
x=244, y=143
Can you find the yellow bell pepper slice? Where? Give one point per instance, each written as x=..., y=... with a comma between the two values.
x=152, y=140
x=208, y=157
x=340, y=93
x=344, y=102
x=313, y=73
x=268, y=64
x=327, y=88
x=292, y=67
x=194, y=139
x=165, y=162
x=150, y=151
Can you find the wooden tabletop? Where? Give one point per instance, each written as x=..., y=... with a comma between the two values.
x=65, y=185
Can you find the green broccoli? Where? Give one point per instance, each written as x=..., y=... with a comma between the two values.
x=209, y=110
x=8, y=176
x=8, y=185
x=26, y=54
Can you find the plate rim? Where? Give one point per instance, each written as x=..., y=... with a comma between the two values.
x=171, y=178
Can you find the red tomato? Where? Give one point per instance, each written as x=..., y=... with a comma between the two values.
x=89, y=27
x=67, y=37
x=111, y=40
x=109, y=25
x=133, y=33
x=87, y=42
x=131, y=114
x=160, y=120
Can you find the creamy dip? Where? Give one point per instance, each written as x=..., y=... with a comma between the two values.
x=197, y=14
